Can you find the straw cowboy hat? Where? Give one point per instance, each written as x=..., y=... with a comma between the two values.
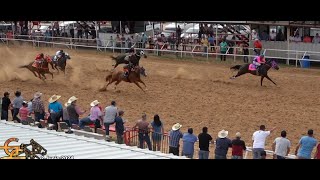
x=176, y=127
x=94, y=103
x=37, y=95
x=238, y=134
x=72, y=99
x=54, y=98
x=223, y=134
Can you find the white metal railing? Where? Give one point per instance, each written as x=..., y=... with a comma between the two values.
x=73, y=43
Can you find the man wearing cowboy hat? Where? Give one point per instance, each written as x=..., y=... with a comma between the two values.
x=174, y=137
x=222, y=145
x=55, y=110
x=74, y=110
x=95, y=116
x=38, y=107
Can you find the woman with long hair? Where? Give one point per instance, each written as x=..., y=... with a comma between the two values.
x=157, y=132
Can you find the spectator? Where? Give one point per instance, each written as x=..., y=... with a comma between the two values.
x=307, y=39
x=316, y=39
x=211, y=41
x=94, y=117
x=238, y=146
x=280, y=36
x=111, y=112
x=17, y=104
x=126, y=29
x=174, y=137
x=222, y=145
x=297, y=38
x=144, y=40
x=93, y=32
x=245, y=46
x=273, y=35
x=65, y=115
x=178, y=32
x=317, y=154
x=188, y=143
x=24, y=112
x=281, y=146
x=205, y=43
x=254, y=35
x=264, y=36
x=72, y=32
x=201, y=31
x=38, y=107
x=143, y=130
x=55, y=109
x=157, y=132
x=263, y=155
x=306, y=145
x=30, y=106
x=204, y=140
x=79, y=32
x=257, y=47
x=74, y=110
x=223, y=49
x=259, y=140
x=119, y=127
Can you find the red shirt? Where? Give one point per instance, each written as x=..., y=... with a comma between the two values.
x=257, y=44
x=38, y=57
x=237, y=147
x=23, y=113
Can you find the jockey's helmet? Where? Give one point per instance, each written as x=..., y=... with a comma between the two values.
x=61, y=51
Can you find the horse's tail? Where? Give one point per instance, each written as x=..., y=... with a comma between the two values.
x=24, y=66
x=236, y=67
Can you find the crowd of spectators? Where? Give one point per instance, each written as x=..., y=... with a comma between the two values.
x=70, y=113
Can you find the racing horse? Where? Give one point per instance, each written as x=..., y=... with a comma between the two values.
x=42, y=69
x=134, y=77
x=250, y=68
x=61, y=63
x=135, y=58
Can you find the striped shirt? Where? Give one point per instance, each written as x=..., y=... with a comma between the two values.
x=175, y=137
x=37, y=106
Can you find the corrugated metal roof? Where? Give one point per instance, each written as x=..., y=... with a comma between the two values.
x=62, y=144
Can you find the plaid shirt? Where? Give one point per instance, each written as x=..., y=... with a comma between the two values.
x=37, y=105
x=175, y=137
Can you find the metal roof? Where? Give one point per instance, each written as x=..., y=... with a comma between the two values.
x=62, y=144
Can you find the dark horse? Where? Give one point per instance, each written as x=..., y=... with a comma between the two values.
x=134, y=77
x=61, y=63
x=42, y=70
x=263, y=72
x=134, y=58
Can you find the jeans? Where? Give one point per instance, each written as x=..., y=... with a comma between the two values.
x=174, y=150
x=84, y=121
x=223, y=56
x=144, y=137
x=236, y=157
x=257, y=153
x=220, y=157
x=187, y=155
x=119, y=138
x=15, y=113
x=55, y=118
x=280, y=157
x=74, y=121
x=203, y=154
x=4, y=115
x=106, y=126
x=38, y=116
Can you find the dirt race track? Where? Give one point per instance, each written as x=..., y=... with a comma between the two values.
x=195, y=94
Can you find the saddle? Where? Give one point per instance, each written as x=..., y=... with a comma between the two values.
x=253, y=67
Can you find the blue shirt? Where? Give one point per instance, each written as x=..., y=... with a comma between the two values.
x=211, y=40
x=188, y=143
x=222, y=146
x=157, y=129
x=55, y=107
x=307, y=144
x=175, y=137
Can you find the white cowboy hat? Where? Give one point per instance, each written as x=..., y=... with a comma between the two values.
x=94, y=103
x=177, y=126
x=72, y=99
x=223, y=134
x=238, y=134
x=37, y=95
x=54, y=98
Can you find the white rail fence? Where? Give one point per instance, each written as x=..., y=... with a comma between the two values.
x=185, y=49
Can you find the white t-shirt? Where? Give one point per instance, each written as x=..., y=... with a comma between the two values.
x=282, y=145
x=259, y=138
x=273, y=36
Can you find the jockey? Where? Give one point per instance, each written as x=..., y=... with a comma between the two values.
x=258, y=61
x=58, y=55
x=131, y=51
x=39, y=59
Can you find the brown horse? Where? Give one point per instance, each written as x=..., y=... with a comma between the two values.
x=134, y=77
x=42, y=70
